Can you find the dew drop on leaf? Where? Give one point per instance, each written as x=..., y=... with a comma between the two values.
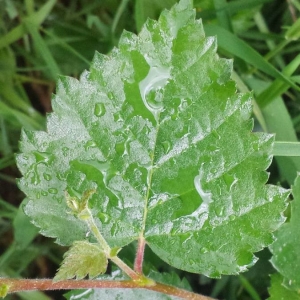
x=104, y=218
x=110, y=95
x=203, y=250
x=232, y=217
x=167, y=146
x=99, y=110
x=52, y=191
x=47, y=176
x=219, y=210
x=65, y=151
x=156, y=78
x=58, y=199
x=120, y=148
x=89, y=144
x=216, y=134
x=229, y=180
x=44, y=193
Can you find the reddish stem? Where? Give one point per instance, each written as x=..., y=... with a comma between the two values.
x=18, y=285
x=138, y=264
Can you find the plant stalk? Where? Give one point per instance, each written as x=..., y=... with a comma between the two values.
x=138, y=264
x=19, y=285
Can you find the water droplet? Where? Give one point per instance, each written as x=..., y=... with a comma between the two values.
x=118, y=117
x=156, y=78
x=174, y=116
x=255, y=145
x=172, y=242
x=65, y=151
x=230, y=181
x=61, y=176
x=167, y=146
x=154, y=221
x=99, y=109
x=110, y=95
x=120, y=148
x=47, y=176
x=216, y=135
x=89, y=144
x=58, y=199
x=203, y=250
x=38, y=195
x=44, y=193
x=232, y=217
x=25, y=157
x=184, y=104
x=33, y=175
x=219, y=210
x=114, y=229
x=206, y=196
x=104, y=218
x=52, y=191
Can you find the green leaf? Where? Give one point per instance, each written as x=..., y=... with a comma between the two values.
x=279, y=292
x=158, y=131
x=24, y=231
x=81, y=259
x=132, y=294
x=286, y=247
x=112, y=294
x=171, y=278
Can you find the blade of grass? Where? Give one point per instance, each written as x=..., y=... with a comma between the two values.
x=221, y=7
x=64, y=45
x=7, y=160
x=14, y=100
x=17, y=118
x=8, y=207
x=232, y=7
x=278, y=87
x=279, y=122
x=237, y=47
x=42, y=48
x=20, y=30
x=286, y=149
x=5, y=142
x=262, y=26
x=249, y=288
x=118, y=14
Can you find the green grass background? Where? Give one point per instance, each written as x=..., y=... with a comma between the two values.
x=40, y=40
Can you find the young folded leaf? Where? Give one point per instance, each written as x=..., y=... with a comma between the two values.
x=160, y=134
x=82, y=259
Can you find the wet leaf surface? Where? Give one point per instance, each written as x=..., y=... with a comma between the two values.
x=159, y=131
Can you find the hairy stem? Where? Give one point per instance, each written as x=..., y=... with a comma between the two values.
x=18, y=285
x=86, y=215
x=125, y=268
x=138, y=264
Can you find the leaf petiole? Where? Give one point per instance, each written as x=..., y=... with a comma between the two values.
x=82, y=211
